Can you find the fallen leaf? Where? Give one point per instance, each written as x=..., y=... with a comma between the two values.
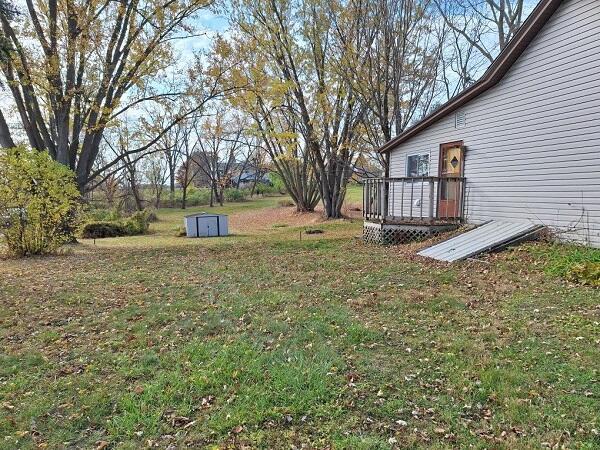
x=101, y=445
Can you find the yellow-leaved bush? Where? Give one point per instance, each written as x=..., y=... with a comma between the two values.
x=39, y=202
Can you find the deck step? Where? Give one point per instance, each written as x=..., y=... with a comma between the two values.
x=492, y=235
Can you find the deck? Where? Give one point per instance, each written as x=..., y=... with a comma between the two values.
x=398, y=210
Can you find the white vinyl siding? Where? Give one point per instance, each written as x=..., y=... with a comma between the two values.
x=533, y=140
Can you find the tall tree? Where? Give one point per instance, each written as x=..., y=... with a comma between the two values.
x=269, y=103
x=156, y=172
x=84, y=64
x=6, y=10
x=390, y=56
x=293, y=38
x=186, y=146
x=219, y=143
x=291, y=159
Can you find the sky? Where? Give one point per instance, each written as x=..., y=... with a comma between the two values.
x=209, y=24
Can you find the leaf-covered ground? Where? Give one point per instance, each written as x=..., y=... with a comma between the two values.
x=263, y=339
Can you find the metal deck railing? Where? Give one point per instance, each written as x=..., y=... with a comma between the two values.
x=414, y=199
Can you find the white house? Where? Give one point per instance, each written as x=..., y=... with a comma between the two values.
x=522, y=144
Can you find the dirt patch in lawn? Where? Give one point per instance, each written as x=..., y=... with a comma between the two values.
x=269, y=218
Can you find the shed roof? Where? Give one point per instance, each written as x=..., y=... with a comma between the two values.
x=507, y=57
x=204, y=214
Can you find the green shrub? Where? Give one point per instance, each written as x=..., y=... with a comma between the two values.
x=278, y=183
x=179, y=231
x=95, y=214
x=235, y=195
x=575, y=263
x=151, y=215
x=99, y=230
x=585, y=273
x=39, y=202
x=195, y=196
x=265, y=189
x=137, y=223
x=134, y=225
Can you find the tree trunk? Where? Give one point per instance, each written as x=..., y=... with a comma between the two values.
x=254, y=183
x=172, y=185
x=299, y=183
x=137, y=197
x=333, y=178
x=183, y=196
x=5, y=137
x=221, y=196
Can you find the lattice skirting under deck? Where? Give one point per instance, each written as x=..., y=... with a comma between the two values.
x=388, y=234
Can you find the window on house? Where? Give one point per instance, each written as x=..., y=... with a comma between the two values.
x=417, y=165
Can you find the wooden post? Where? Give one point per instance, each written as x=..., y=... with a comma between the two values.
x=421, y=200
x=412, y=191
x=402, y=201
x=439, y=191
x=431, y=201
x=384, y=186
x=364, y=199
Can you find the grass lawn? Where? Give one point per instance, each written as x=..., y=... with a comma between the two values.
x=270, y=338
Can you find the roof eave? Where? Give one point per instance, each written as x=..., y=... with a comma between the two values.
x=507, y=57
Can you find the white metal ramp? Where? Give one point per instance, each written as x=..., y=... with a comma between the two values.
x=489, y=236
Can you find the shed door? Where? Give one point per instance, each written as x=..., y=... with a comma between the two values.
x=450, y=188
x=207, y=226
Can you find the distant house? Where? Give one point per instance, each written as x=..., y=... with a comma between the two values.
x=230, y=173
x=521, y=145
x=249, y=176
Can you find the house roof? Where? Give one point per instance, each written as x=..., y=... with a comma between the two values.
x=507, y=57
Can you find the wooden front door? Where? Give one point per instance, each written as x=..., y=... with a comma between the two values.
x=450, y=188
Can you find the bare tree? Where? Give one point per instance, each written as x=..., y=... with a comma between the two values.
x=110, y=188
x=156, y=171
x=186, y=147
x=117, y=144
x=257, y=163
x=219, y=142
x=290, y=44
x=480, y=29
x=390, y=57
x=170, y=143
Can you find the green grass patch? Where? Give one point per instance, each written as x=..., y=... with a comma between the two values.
x=280, y=339
x=558, y=259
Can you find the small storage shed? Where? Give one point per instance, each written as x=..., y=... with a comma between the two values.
x=206, y=225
